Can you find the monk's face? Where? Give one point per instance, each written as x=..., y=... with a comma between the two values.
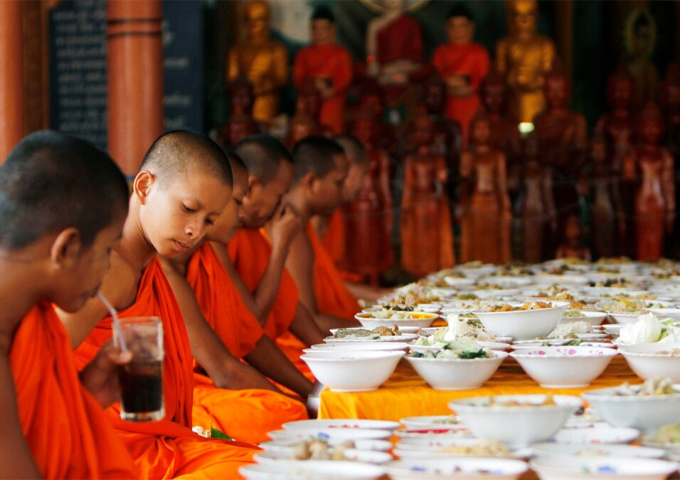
x=480, y=132
x=557, y=91
x=327, y=193
x=176, y=215
x=620, y=92
x=650, y=130
x=230, y=220
x=493, y=97
x=323, y=32
x=460, y=30
x=79, y=278
x=261, y=201
x=354, y=180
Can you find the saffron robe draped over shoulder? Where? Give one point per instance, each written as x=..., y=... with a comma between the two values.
x=168, y=448
x=246, y=415
x=250, y=251
x=332, y=296
x=69, y=434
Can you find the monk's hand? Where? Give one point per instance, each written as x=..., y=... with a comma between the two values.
x=286, y=225
x=100, y=376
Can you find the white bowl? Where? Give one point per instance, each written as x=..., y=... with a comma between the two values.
x=292, y=469
x=645, y=413
x=459, y=468
x=596, y=436
x=500, y=346
x=330, y=434
x=567, y=468
x=625, y=318
x=592, y=450
x=592, y=318
x=647, y=363
x=457, y=374
x=564, y=367
x=673, y=313
x=348, y=423
x=359, y=346
x=523, y=324
x=432, y=421
x=351, y=455
x=354, y=371
x=513, y=425
x=370, y=323
x=403, y=338
x=433, y=446
x=289, y=446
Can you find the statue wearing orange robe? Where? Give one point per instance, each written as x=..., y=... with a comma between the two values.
x=249, y=251
x=328, y=65
x=462, y=64
x=168, y=448
x=332, y=295
x=66, y=429
x=252, y=413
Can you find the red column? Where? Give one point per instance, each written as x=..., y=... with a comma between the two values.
x=11, y=77
x=135, y=79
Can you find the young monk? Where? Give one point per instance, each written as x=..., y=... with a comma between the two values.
x=205, y=291
x=62, y=207
x=182, y=188
x=321, y=167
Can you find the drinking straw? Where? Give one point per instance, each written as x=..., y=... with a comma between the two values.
x=116, y=321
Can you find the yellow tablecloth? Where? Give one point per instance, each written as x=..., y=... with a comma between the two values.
x=405, y=394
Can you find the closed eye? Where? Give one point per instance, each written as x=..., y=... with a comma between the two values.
x=208, y=222
x=187, y=209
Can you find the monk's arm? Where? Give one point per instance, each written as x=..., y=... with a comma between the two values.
x=272, y=362
x=300, y=264
x=15, y=454
x=305, y=328
x=206, y=347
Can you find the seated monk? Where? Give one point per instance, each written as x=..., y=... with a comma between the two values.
x=257, y=267
x=54, y=248
x=222, y=330
x=321, y=167
x=182, y=188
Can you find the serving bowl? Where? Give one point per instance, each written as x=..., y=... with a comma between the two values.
x=536, y=420
x=457, y=374
x=523, y=324
x=646, y=413
x=564, y=367
x=353, y=371
x=647, y=361
x=567, y=468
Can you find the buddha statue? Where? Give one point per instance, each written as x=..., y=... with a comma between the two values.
x=263, y=61
x=640, y=39
x=524, y=58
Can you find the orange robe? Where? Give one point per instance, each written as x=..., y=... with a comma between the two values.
x=472, y=60
x=253, y=412
x=332, y=62
x=334, y=243
x=67, y=431
x=249, y=251
x=332, y=296
x=168, y=448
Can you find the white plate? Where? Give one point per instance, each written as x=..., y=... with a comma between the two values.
x=459, y=468
x=359, y=346
x=597, y=435
x=330, y=434
x=430, y=421
x=290, y=469
x=288, y=446
x=351, y=455
x=560, y=467
x=549, y=448
x=406, y=337
x=424, y=447
x=341, y=423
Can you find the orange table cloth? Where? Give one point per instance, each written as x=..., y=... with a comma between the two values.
x=405, y=394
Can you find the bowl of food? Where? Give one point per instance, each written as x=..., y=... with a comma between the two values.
x=311, y=469
x=459, y=468
x=379, y=334
x=596, y=436
x=359, y=346
x=516, y=420
x=645, y=407
x=456, y=447
x=564, y=367
x=650, y=360
x=353, y=371
x=297, y=446
x=566, y=467
x=666, y=438
x=592, y=318
x=387, y=318
x=334, y=436
x=623, y=311
x=521, y=321
x=335, y=454
x=464, y=365
x=592, y=450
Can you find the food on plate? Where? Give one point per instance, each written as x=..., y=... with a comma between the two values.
x=494, y=286
x=573, y=314
x=366, y=333
x=614, y=261
x=652, y=387
x=571, y=330
x=625, y=307
x=461, y=349
x=317, y=449
x=548, y=401
x=458, y=328
x=479, y=449
x=667, y=434
x=649, y=329
x=465, y=296
x=514, y=308
x=394, y=315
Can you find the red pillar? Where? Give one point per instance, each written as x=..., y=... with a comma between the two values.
x=11, y=77
x=135, y=79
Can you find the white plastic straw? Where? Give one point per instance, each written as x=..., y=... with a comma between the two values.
x=116, y=321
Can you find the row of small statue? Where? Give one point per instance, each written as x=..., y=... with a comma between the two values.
x=479, y=159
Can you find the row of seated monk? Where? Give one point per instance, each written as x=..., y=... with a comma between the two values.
x=216, y=243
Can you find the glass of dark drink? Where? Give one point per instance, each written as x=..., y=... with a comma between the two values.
x=141, y=380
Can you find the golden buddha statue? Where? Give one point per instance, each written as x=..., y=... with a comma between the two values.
x=524, y=58
x=264, y=62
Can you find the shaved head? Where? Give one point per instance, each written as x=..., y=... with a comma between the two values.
x=262, y=155
x=52, y=181
x=315, y=154
x=174, y=153
x=353, y=148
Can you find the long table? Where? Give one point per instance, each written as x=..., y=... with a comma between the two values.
x=405, y=394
